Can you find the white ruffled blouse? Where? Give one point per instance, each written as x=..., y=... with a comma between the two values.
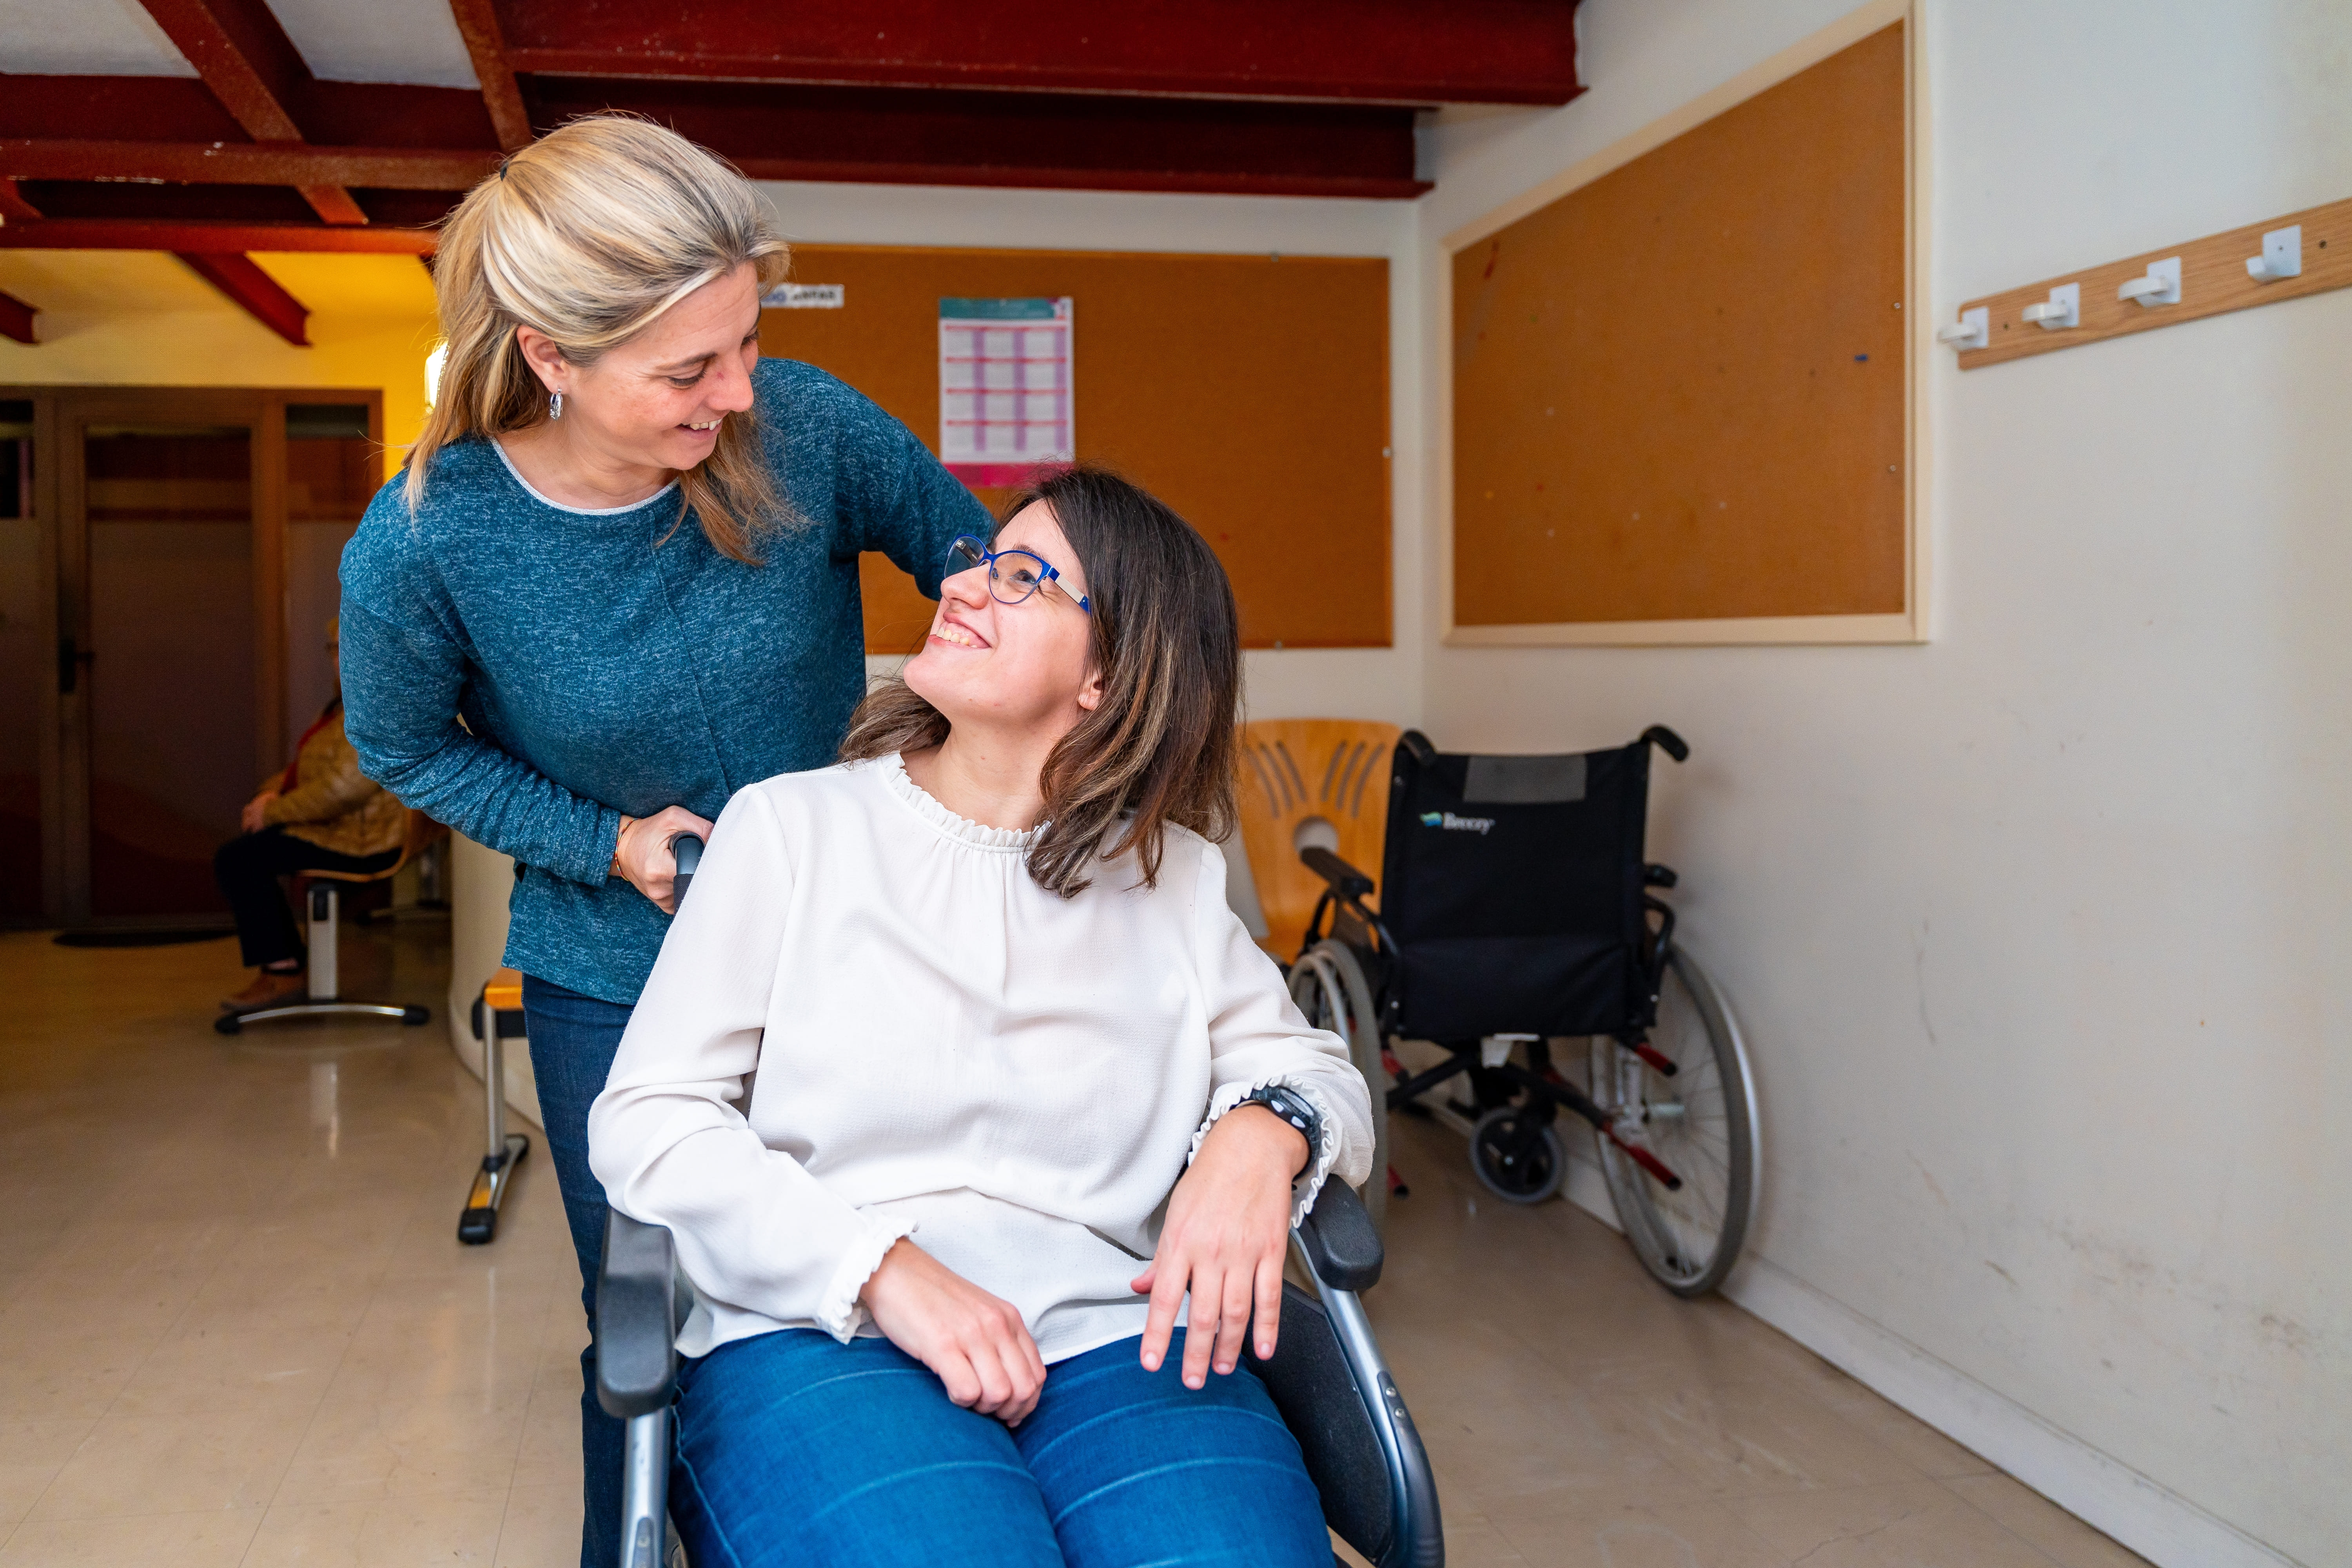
x=869, y=1021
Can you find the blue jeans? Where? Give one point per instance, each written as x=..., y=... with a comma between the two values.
x=573, y=1039
x=795, y=1449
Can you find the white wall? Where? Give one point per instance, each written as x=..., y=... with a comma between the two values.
x=2034, y=927
x=1364, y=683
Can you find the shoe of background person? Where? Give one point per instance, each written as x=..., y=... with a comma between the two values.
x=267, y=988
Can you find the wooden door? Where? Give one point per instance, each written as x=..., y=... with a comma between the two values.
x=157, y=523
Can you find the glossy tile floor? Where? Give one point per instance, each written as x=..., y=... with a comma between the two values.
x=236, y=1327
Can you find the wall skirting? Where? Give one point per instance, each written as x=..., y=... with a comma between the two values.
x=2159, y=1523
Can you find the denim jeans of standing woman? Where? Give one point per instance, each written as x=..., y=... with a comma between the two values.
x=572, y=1041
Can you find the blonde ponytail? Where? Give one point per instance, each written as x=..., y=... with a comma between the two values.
x=589, y=235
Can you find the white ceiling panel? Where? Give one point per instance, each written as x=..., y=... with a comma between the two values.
x=88, y=38
x=413, y=41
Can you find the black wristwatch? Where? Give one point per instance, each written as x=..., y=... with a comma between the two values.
x=1293, y=1108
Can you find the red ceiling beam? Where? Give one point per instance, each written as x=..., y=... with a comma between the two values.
x=244, y=281
x=1380, y=51
x=176, y=108
x=1082, y=141
x=246, y=163
x=245, y=59
x=187, y=239
x=1070, y=141
x=17, y=319
x=478, y=24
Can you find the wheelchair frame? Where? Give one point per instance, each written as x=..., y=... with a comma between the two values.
x=1356, y=948
x=1326, y=1376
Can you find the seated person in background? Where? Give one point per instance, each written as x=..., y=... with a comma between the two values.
x=1022, y=1083
x=321, y=815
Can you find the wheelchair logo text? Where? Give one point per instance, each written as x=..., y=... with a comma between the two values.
x=1458, y=824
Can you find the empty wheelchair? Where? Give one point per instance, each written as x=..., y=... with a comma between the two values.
x=1325, y=1375
x=1515, y=908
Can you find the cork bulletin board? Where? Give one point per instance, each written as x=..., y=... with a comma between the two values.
x=1251, y=393
x=1681, y=376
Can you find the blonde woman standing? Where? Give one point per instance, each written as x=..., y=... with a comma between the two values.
x=617, y=582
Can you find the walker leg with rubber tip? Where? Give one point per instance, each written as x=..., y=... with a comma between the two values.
x=478, y=1224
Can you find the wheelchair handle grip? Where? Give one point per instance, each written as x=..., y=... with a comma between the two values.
x=1667, y=740
x=1346, y=881
x=686, y=849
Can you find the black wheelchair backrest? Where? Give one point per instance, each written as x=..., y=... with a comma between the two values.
x=1512, y=887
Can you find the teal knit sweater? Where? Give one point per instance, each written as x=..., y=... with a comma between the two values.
x=529, y=673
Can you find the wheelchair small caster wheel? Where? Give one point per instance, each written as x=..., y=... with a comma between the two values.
x=1517, y=1159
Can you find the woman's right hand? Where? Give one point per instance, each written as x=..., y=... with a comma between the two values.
x=973, y=1341
x=251, y=818
x=644, y=857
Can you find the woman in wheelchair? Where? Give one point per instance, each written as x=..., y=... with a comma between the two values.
x=956, y=1079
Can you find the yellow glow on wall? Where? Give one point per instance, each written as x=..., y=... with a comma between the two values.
x=131, y=317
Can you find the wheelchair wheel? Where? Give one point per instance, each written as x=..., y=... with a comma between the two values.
x=1517, y=1158
x=1328, y=984
x=1701, y=1121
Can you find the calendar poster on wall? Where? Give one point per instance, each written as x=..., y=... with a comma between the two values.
x=1005, y=404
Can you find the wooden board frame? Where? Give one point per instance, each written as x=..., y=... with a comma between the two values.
x=1910, y=624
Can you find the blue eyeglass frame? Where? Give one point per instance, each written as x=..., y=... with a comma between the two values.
x=978, y=554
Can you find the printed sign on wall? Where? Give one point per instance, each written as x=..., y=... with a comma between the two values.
x=1005, y=401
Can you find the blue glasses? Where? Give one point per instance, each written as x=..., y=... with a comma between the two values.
x=1013, y=574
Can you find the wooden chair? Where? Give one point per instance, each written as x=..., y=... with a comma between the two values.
x=320, y=890
x=1306, y=783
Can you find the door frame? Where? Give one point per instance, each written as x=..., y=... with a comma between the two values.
x=60, y=416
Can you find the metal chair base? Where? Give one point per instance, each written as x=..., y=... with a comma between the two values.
x=231, y=1022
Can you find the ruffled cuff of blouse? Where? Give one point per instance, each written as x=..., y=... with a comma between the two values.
x=840, y=1313
x=1308, y=1182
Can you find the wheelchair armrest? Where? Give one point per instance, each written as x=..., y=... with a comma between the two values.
x=637, y=1317
x=1338, y=1237
x=1347, y=882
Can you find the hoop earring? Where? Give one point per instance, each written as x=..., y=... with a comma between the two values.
x=555, y=405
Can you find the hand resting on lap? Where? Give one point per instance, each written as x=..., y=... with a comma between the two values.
x=975, y=1341
x=1228, y=1229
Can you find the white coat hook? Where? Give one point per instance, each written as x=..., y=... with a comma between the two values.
x=1974, y=332
x=2160, y=286
x=2282, y=256
x=2062, y=309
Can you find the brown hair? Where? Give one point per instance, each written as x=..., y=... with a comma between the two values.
x=1160, y=746
x=589, y=235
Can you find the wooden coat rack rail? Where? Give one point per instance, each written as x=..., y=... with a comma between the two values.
x=2213, y=279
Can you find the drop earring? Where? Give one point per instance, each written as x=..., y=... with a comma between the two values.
x=555, y=405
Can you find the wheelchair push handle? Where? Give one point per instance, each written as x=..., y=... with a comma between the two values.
x=686, y=849
x=1667, y=740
